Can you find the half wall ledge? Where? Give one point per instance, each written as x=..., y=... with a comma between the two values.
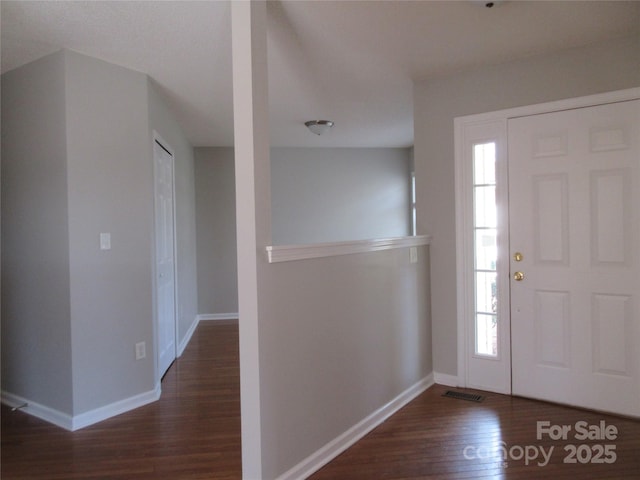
x=287, y=253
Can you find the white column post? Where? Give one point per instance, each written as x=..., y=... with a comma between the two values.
x=253, y=209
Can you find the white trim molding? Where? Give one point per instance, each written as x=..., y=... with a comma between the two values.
x=492, y=374
x=556, y=106
x=187, y=336
x=218, y=316
x=335, y=447
x=468, y=129
x=203, y=317
x=157, y=138
x=48, y=414
x=285, y=253
x=72, y=423
x=115, y=408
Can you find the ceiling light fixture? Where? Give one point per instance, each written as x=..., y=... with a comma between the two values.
x=319, y=126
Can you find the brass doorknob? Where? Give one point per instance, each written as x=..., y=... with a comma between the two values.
x=518, y=276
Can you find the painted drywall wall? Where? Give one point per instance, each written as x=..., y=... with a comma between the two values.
x=576, y=72
x=162, y=121
x=345, y=335
x=337, y=194
x=326, y=342
x=216, y=230
x=318, y=195
x=77, y=141
x=36, y=333
x=110, y=189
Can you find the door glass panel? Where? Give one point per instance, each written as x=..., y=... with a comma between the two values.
x=486, y=335
x=484, y=164
x=485, y=206
x=485, y=216
x=486, y=299
x=486, y=249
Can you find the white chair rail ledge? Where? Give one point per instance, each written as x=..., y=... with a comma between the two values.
x=286, y=253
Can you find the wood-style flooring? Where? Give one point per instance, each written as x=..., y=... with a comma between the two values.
x=193, y=432
x=428, y=439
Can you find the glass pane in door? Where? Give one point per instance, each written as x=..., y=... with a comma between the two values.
x=485, y=214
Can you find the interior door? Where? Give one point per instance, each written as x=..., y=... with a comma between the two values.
x=165, y=273
x=574, y=221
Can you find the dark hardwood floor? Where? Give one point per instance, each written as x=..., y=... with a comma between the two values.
x=193, y=432
x=436, y=437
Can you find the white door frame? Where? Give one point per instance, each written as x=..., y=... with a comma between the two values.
x=495, y=370
x=157, y=138
x=467, y=129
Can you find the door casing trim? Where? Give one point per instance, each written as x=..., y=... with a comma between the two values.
x=464, y=294
x=155, y=136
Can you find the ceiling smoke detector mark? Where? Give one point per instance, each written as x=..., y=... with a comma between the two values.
x=487, y=3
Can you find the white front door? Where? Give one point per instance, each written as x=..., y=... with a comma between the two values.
x=574, y=217
x=165, y=273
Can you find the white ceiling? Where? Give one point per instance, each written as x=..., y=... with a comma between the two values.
x=353, y=62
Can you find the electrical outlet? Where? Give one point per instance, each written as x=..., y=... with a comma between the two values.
x=141, y=350
x=413, y=254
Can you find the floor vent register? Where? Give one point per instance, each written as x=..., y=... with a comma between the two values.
x=463, y=396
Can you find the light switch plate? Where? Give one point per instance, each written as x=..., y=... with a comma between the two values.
x=413, y=254
x=105, y=241
x=141, y=350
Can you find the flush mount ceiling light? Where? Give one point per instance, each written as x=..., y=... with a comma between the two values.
x=319, y=126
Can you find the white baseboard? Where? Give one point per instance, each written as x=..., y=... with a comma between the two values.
x=218, y=316
x=201, y=318
x=446, y=380
x=72, y=423
x=338, y=445
x=115, y=408
x=187, y=336
x=48, y=414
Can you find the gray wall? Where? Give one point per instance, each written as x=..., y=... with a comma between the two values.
x=109, y=190
x=343, y=336
x=318, y=195
x=216, y=230
x=36, y=333
x=570, y=73
x=336, y=194
x=78, y=161
x=324, y=342
x=161, y=120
